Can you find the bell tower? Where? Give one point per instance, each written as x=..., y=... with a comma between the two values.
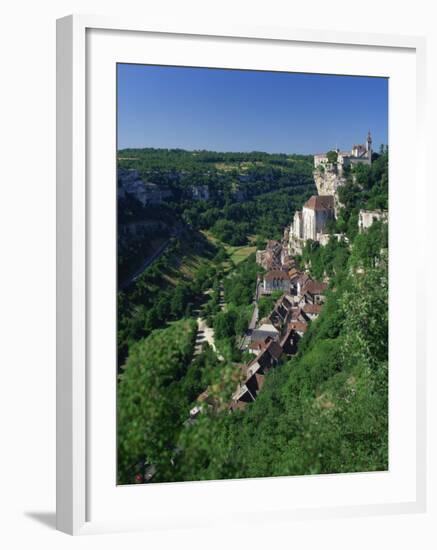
x=369, y=146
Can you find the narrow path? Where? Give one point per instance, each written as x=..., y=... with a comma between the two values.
x=253, y=321
x=205, y=334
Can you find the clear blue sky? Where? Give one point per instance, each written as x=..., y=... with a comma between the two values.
x=231, y=110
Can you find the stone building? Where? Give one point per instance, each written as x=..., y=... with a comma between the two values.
x=316, y=214
x=359, y=154
x=367, y=217
x=311, y=222
x=270, y=258
x=329, y=176
x=276, y=280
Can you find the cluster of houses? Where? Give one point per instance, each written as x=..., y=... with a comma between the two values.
x=270, y=257
x=302, y=298
x=278, y=334
x=275, y=256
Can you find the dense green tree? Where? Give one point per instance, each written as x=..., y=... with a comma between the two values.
x=149, y=411
x=332, y=156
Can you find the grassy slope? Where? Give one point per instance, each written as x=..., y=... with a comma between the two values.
x=237, y=254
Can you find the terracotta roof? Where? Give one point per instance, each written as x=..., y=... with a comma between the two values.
x=312, y=308
x=276, y=274
x=295, y=314
x=320, y=202
x=315, y=287
x=303, y=278
x=298, y=326
x=260, y=344
x=293, y=273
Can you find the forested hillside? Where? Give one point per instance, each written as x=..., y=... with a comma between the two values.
x=240, y=193
x=323, y=410
x=251, y=197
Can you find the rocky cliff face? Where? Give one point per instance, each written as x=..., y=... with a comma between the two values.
x=328, y=181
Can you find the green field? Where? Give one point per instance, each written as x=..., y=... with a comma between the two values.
x=236, y=254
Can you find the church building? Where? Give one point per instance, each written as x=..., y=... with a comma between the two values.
x=311, y=222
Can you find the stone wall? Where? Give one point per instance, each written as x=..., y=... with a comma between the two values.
x=367, y=217
x=309, y=224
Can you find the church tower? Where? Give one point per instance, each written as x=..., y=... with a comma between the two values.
x=369, y=147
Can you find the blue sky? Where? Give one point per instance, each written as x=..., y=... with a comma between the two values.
x=232, y=110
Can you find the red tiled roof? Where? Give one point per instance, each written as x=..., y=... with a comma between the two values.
x=295, y=314
x=303, y=278
x=293, y=273
x=312, y=308
x=298, y=326
x=260, y=344
x=315, y=287
x=276, y=274
x=320, y=202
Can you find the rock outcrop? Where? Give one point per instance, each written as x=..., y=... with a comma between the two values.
x=328, y=181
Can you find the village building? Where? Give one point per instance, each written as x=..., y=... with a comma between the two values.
x=366, y=218
x=255, y=375
x=256, y=346
x=297, y=314
x=316, y=214
x=313, y=292
x=281, y=311
x=264, y=331
x=330, y=170
x=311, y=311
x=311, y=222
x=301, y=281
x=299, y=327
x=270, y=258
x=274, y=280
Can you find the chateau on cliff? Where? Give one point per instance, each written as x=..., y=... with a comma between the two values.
x=357, y=155
x=329, y=167
x=311, y=222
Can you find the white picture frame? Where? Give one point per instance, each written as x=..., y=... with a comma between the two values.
x=74, y=281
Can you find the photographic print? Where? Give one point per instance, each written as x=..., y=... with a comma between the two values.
x=252, y=274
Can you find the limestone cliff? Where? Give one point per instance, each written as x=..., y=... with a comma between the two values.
x=328, y=181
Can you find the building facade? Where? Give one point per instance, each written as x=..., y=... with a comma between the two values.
x=367, y=217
